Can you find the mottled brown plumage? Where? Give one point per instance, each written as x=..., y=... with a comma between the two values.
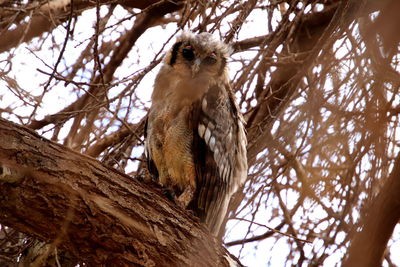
x=195, y=140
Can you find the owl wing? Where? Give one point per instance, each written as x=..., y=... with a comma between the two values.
x=151, y=167
x=219, y=145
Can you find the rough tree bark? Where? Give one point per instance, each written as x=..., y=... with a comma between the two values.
x=98, y=214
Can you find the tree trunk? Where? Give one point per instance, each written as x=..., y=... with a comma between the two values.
x=98, y=214
x=368, y=245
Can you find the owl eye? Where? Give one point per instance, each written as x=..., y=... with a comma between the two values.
x=188, y=53
x=211, y=59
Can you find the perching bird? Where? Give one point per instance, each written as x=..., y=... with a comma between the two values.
x=195, y=139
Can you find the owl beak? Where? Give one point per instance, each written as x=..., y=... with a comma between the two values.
x=196, y=66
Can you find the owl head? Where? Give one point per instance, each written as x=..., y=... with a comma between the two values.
x=198, y=54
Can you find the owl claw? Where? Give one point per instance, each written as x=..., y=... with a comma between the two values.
x=186, y=197
x=170, y=194
x=182, y=201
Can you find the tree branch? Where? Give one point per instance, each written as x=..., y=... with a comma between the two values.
x=53, y=13
x=127, y=41
x=380, y=219
x=98, y=214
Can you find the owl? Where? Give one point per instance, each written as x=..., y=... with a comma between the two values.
x=195, y=138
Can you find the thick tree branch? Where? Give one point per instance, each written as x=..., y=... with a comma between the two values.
x=380, y=219
x=98, y=214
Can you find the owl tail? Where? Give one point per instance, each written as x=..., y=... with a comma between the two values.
x=215, y=215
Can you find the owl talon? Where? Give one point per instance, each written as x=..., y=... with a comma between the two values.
x=186, y=197
x=192, y=213
x=170, y=194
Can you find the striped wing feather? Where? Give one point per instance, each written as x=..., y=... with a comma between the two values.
x=215, y=146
